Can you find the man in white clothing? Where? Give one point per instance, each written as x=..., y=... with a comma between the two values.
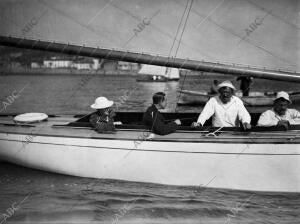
x=280, y=115
x=225, y=109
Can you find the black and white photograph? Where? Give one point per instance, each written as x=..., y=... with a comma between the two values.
x=150, y=111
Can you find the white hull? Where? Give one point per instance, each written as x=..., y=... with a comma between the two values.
x=255, y=167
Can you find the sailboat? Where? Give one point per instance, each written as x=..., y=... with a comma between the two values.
x=153, y=73
x=258, y=160
x=262, y=159
x=172, y=74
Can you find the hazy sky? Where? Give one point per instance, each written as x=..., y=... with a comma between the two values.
x=255, y=32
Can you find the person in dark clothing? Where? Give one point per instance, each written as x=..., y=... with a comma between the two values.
x=245, y=84
x=155, y=121
x=214, y=87
x=103, y=119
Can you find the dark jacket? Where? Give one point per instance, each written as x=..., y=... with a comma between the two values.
x=245, y=82
x=155, y=122
x=102, y=124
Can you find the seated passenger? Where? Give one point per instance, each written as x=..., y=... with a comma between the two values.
x=280, y=115
x=225, y=109
x=155, y=121
x=103, y=120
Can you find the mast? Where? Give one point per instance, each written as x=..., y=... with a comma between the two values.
x=143, y=58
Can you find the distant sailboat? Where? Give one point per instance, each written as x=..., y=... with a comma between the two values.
x=172, y=74
x=154, y=73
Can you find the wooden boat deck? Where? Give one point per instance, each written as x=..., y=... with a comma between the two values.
x=57, y=127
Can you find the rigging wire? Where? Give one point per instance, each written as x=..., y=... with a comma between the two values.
x=183, y=30
x=174, y=40
x=178, y=28
x=185, y=23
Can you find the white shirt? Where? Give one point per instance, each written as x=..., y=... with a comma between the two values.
x=270, y=118
x=224, y=115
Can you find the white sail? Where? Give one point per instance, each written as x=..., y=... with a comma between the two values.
x=262, y=33
x=152, y=70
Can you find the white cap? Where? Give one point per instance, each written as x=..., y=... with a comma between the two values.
x=226, y=83
x=101, y=103
x=283, y=95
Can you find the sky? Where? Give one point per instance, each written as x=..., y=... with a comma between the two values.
x=251, y=32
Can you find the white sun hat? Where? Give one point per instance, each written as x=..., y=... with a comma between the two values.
x=101, y=103
x=226, y=84
x=283, y=95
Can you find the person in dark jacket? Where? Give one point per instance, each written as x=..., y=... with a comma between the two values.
x=155, y=121
x=214, y=87
x=103, y=119
x=245, y=84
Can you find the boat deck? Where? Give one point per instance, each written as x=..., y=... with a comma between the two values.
x=60, y=127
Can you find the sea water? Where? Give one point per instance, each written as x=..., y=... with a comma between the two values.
x=73, y=94
x=54, y=198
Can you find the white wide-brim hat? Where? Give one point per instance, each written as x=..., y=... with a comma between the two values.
x=283, y=95
x=101, y=103
x=226, y=84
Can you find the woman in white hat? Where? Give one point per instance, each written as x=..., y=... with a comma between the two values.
x=103, y=120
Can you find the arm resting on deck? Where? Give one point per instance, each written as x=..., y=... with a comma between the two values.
x=155, y=121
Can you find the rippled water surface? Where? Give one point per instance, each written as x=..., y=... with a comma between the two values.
x=64, y=199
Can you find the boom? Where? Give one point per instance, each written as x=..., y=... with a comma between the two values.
x=120, y=55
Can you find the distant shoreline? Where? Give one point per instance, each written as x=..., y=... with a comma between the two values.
x=61, y=71
x=66, y=71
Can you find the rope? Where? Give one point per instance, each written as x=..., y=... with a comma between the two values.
x=185, y=23
x=213, y=134
x=175, y=37
x=178, y=28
